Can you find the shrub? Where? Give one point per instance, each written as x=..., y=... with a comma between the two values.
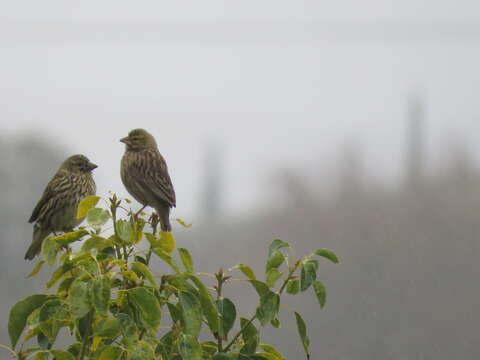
x=112, y=303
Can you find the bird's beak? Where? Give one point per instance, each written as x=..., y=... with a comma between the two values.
x=125, y=140
x=91, y=166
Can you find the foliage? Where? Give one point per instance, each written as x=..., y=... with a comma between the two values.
x=113, y=304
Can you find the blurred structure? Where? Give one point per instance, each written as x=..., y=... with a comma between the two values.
x=407, y=286
x=26, y=165
x=213, y=190
x=415, y=151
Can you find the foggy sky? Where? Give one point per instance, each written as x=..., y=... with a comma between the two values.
x=277, y=83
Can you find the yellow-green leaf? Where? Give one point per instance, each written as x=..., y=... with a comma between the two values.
x=327, y=254
x=62, y=355
x=36, y=268
x=49, y=250
x=246, y=270
x=186, y=259
x=143, y=270
x=69, y=237
x=183, y=223
x=110, y=352
x=86, y=204
x=167, y=241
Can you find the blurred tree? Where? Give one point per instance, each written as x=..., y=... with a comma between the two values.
x=26, y=164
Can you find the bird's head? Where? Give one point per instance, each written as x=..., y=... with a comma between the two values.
x=78, y=164
x=139, y=139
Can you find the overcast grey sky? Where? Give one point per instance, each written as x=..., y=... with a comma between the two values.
x=276, y=83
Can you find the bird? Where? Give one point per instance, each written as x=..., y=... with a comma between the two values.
x=144, y=174
x=57, y=208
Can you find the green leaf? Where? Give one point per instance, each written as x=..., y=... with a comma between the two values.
x=147, y=304
x=246, y=270
x=57, y=274
x=129, y=329
x=100, y=294
x=250, y=336
x=209, y=348
x=269, y=306
x=167, y=258
x=142, y=351
x=320, y=292
x=275, y=260
x=36, y=268
x=272, y=276
x=209, y=308
x=249, y=348
x=51, y=315
x=260, y=287
x=42, y=355
x=271, y=350
x=225, y=356
x=75, y=349
x=125, y=231
x=108, y=328
x=228, y=314
x=276, y=323
x=328, y=254
x=189, y=348
x=192, y=313
x=143, y=270
x=276, y=245
x=302, y=331
x=69, y=237
x=96, y=242
x=183, y=223
x=110, y=352
x=62, y=355
x=49, y=250
x=307, y=275
x=186, y=259
x=97, y=217
x=19, y=314
x=293, y=286
x=153, y=241
x=78, y=299
x=86, y=204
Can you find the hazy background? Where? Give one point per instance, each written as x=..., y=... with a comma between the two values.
x=352, y=125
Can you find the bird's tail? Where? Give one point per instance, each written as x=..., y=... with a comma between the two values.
x=164, y=215
x=39, y=235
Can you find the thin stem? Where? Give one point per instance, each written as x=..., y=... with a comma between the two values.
x=219, y=287
x=86, y=336
x=292, y=270
x=239, y=333
x=154, y=223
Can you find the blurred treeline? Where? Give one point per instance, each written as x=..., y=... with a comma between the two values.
x=407, y=284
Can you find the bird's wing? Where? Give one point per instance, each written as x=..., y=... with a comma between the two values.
x=56, y=184
x=157, y=179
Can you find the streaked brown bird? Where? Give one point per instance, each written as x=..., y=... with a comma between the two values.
x=57, y=208
x=145, y=175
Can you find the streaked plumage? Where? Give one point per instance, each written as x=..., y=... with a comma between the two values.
x=145, y=175
x=57, y=208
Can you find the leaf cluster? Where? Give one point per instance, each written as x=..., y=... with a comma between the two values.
x=114, y=305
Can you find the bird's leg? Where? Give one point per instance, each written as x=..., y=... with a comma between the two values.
x=135, y=216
